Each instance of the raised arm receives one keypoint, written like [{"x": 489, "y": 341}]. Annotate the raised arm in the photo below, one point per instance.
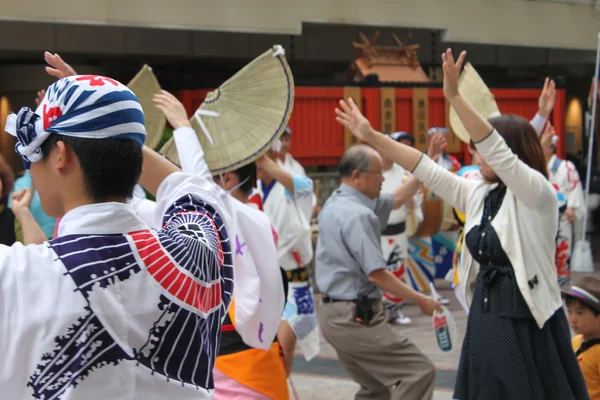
[
  {"x": 546, "y": 104},
  {"x": 405, "y": 192},
  {"x": 443, "y": 183},
  {"x": 189, "y": 149},
  {"x": 31, "y": 230},
  {"x": 278, "y": 173},
  {"x": 528, "y": 185},
  {"x": 155, "y": 170}
]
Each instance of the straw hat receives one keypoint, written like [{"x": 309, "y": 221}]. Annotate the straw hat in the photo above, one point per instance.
[
  {"x": 144, "y": 85},
  {"x": 240, "y": 121},
  {"x": 472, "y": 88},
  {"x": 586, "y": 290}
]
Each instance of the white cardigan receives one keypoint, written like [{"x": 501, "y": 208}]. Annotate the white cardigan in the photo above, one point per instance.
[{"x": 526, "y": 223}]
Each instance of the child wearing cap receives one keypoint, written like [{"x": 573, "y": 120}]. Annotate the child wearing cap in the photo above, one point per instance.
[{"x": 583, "y": 304}]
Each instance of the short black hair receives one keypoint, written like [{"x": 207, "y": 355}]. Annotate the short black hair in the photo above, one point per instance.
[
  {"x": 247, "y": 172},
  {"x": 573, "y": 301},
  {"x": 111, "y": 167},
  {"x": 356, "y": 157}
]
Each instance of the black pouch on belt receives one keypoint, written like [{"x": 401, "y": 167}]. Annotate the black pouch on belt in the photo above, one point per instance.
[{"x": 363, "y": 312}]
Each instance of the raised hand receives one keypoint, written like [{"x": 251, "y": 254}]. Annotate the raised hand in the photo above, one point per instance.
[
  {"x": 58, "y": 67},
  {"x": 172, "y": 108},
  {"x": 547, "y": 135},
  {"x": 21, "y": 200},
  {"x": 437, "y": 145},
  {"x": 451, "y": 70},
  {"x": 350, "y": 116},
  {"x": 40, "y": 97},
  {"x": 547, "y": 98}
]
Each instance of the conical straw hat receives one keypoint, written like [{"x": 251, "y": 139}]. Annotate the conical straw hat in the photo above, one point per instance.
[
  {"x": 472, "y": 88},
  {"x": 144, "y": 85},
  {"x": 245, "y": 116}
]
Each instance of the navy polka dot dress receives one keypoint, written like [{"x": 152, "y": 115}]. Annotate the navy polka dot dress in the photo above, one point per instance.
[{"x": 505, "y": 355}]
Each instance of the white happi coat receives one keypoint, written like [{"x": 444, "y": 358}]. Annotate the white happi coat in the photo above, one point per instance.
[
  {"x": 290, "y": 214},
  {"x": 259, "y": 295},
  {"x": 564, "y": 175},
  {"x": 112, "y": 309},
  {"x": 395, "y": 248}
]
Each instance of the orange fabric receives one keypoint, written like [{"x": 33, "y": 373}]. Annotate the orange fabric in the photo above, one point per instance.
[
  {"x": 257, "y": 369},
  {"x": 589, "y": 362}
]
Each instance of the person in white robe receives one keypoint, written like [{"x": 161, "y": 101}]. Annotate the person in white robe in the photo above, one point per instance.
[
  {"x": 564, "y": 176},
  {"x": 395, "y": 238},
  {"x": 290, "y": 163},
  {"x": 258, "y": 298},
  {"x": 126, "y": 311},
  {"x": 287, "y": 201}
]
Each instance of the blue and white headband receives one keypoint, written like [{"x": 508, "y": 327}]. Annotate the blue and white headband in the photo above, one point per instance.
[{"x": 85, "y": 106}]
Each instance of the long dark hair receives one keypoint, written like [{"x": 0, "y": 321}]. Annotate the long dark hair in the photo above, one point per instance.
[{"x": 522, "y": 139}]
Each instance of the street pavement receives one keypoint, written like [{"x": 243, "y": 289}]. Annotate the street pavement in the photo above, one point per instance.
[{"x": 324, "y": 378}]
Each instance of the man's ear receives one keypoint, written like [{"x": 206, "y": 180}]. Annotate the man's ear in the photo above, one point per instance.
[{"x": 355, "y": 174}]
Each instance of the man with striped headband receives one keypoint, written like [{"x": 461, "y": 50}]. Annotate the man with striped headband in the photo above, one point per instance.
[{"x": 111, "y": 308}]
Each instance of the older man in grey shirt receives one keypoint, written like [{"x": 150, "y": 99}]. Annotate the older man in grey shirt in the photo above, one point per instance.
[{"x": 351, "y": 274}]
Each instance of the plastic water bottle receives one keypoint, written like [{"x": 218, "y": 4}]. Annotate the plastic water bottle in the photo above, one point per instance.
[{"x": 443, "y": 326}]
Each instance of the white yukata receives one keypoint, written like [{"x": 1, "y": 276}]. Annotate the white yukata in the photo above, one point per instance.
[
  {"x": 259, "y": 294},
  {"x": 290, "y": 214},
  {"x": 395, "y": 245},
  {"x": 112, "y": 309},
  {"x": 564, "y": 176}
]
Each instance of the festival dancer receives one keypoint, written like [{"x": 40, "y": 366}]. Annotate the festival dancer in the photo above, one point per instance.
[
  {"x": 126, "y": 311},
  {"x": 564, "y": 176},
  {"x": 249, "y": 364},
  {"x": 287, "y": 201},
  {"x": 395, "y": 237}
]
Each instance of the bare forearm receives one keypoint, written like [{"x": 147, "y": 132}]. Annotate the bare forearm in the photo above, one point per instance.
[
  {"x": 279, "y": 174},
  {"x": 403, "y": 155},
  {"x": 477, "y": 126},
  {"x": 155, "y": 169},
  {"x": 388, "y": 282},
  {"x": 31, "y": 230},
  {"x": 404, "y": 193}
]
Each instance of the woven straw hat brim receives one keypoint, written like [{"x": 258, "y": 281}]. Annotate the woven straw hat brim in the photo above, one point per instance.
[
  {"x": 253, "y": 106},
  {"x": 144, "y": 85},
  {"x": 472, "y": 88}
]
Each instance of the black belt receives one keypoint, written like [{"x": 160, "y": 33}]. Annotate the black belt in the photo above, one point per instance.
[
  {"x": 394, "y": 229},
  {"x": 330, "y": 300},
  {"x": 327, "y": 299},
  {"x": 298, "y": 275}
]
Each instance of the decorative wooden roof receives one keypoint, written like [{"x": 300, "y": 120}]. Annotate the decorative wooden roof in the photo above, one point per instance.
[{"x": 397, "y": 63}]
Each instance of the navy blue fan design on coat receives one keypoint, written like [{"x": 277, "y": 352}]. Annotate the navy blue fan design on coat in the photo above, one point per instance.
[{"x": 190, "y": 258}]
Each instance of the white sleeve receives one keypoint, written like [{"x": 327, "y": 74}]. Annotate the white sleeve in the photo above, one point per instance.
[
  {"x": 528, "y": 185},
  {"x": 190, "y": 152},
  {"x": 538, "y": 122},
  {"x": 450, "y": 187},
  {"x": 575, "y": 197}
]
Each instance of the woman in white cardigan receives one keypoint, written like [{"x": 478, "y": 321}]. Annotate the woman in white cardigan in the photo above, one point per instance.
[{"x": 517, "y": 344}]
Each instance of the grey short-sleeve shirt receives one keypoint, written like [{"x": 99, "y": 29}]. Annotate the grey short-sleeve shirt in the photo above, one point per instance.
[{"x": 349, "y": 244}]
